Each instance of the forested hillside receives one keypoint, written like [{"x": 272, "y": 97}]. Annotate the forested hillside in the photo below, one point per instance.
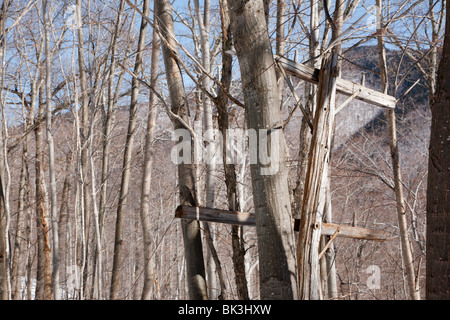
[{"x": 116, "y": 113}]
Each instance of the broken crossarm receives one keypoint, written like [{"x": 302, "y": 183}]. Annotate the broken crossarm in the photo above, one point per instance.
[
  {"x": 248, "y": 219},
  {"x": 343, "y": 86}
]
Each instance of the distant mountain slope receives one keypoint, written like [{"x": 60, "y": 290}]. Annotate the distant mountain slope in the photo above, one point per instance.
[{"x": 359, "y": 115}]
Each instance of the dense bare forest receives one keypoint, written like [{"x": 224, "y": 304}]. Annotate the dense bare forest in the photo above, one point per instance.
[{"x": 224, "y": 150}]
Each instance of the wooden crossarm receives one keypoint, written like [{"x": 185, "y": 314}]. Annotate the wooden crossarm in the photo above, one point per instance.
[
  {"x": 343, "y": 86},
  {"x": 248, "y": 219}
]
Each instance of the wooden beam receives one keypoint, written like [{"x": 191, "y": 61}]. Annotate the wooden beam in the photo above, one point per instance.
[
  {"x": 215, "y": 215},
  {"x": 345, "y": 231},
  {"x": 346, "y": 102},
  {"x": 297, "y": 99},
  {"x": 248, "y": 219},
  {"x": 329, "y": 243},
  {"x": 343, "y": 86}
]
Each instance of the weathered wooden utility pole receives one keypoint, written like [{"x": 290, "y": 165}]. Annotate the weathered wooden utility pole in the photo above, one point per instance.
[
  {"x": 319, "y": 154},
  {"x": 316, "y": 181}
]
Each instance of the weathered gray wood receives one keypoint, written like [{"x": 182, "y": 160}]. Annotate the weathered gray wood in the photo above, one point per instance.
[
  {"x": 315, "y": 183},
  {"x": 248, "y": 219},
  {"x": 215, "y": 215},
  {"x": 346, "y": 102},
  {"x": 343, "y": 86},
  {"x": 328, "y": 229}
]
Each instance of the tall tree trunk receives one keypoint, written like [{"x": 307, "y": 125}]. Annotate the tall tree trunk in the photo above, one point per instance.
[
  {"x": 5, "y": 260},
  {"x": 438, "y": 189},
  {"x": 51, "y": 152},
  {"x": 84, "y": 134},
  {"x": 270, "y": 186},
  {"x": 414, "y": 293},
  {"x": 230, "y": 168},
  {"x": 147, "y": 170},
  {"x": 20, "y": 240},
  {"x": 44, "y": 271},
  {"x": 280, "y": 44},
  {"x": 97, "y": 270},
  {"x": 208, "y": 127},
  {"x": 5, "y": 277},
  {"x": 195, "y": 268},
  {"x": 63, "y": 227},
  {"x": 126, "y": 166}
]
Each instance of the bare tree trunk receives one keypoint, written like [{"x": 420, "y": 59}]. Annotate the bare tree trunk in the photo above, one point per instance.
[
  {"x": 434, "y": 49},
  {"x": 5, "y": 260},
  {"x": 84, "y": 137},
  {"x": 270, "y": 186},
  {"x": 229, "y": 168},
  {"x": 5, "y": 276},
  {"x": 195, "y": 268},
  {"x": 414, "y": 293},
  {"x": 126, "y": 167},
  {"x": 63, "y": 227},
  {"x": 97, "y": 270},
  {"x": 208, "y": 127},
  {"x": 43, "y": 286},
  {"x": 147, "y": 171},
  {"x": 280, "y": 43},
  {"x": 330, "y": 254},
  {"x": 438, "y": 204},
  {"x": 20, "y": 240},
  {"x": 212, "y": 257},
  {"x": 51, "y": 152}
]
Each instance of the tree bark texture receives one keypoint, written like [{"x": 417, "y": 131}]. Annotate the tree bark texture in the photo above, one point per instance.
[
  {"x": 126, "y": 166},
  {"x": 438, "y": 192},
  {"x": 395, "y": 157},
  {"x": 270, "y": 192},
  {"x": 147, "y": 171},
  {"x": 195, "y": 267},
  {"x": 230, "y": 168}
]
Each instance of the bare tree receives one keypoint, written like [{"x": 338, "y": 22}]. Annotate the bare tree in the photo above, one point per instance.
[
  {"x": 51, "y": 151},
  {"x": 126, "y": 166},
  {"x": 270, "y": 192},
  {"x": 146, "y": 191},
  {"x": 44, "y": 272},
  {"x": 117, "y": 259},
  {"x": 398, "y": 187},
  {"x": 438, "y": 204},
  {"x": 5, "y": 279},
  {"x": 230, "y": 168},
  {"x": 84, "y": 131},
  {"x": 195, "y": 268}
]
